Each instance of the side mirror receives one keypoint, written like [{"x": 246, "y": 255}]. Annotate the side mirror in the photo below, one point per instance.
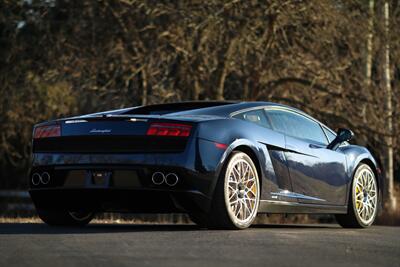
[{"x": 343, "y": 135}]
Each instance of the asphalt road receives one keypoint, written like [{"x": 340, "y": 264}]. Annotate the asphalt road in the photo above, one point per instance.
[{"x": 186, "y": 245}]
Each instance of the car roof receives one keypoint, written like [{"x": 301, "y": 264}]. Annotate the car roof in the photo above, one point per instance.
[
  {"x": 226, "y": 108},
  {"x": 176, "y": 107},
  {"x": 230, "y": 108}
]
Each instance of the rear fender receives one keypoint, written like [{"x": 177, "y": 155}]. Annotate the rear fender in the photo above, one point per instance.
[
  {"x": 242, "y": 135},
  {"x": 255, "y": 151}
]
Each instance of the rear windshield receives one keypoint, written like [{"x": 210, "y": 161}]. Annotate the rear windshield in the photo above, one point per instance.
[{"x": 162, "y": 109}]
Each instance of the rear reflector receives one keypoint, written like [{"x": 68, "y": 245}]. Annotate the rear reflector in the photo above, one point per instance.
[
  {"x": 47, "y": 131},
  {"x": 220, "y": 146},
  {"x": 169, "y": 129}
]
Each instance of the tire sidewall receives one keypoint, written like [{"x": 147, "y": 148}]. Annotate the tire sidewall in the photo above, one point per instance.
[
  {"x": 232, "y": 218},
  {"x": 353, "y": 199},
  {"x": 84, "y": 219},
  {"x": 61, "y": 218}
]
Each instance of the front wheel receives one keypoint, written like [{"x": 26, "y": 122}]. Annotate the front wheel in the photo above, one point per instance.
[
  {"x": 237, "y": 194},
  {"x": 363, "y": 200},
  {"x": 65, "y": 218}
]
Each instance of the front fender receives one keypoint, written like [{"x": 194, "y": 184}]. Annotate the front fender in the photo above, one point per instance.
[{"x": 357, "y": 155}]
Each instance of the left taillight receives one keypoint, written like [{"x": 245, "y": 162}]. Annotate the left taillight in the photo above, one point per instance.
[
  {"x": 169, "y": 129},
  {"x": 47, "y": 131}
]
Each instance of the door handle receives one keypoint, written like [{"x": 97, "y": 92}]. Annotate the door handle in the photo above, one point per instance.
[{"x": 314, "y": 146}]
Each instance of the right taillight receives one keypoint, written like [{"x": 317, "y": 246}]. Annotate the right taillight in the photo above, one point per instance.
[
  {"x": 169, "y": 129},
  {"x": 47, "y": 131}
]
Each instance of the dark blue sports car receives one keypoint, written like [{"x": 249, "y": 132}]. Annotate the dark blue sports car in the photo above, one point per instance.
[{"x": 220, "y": 162}]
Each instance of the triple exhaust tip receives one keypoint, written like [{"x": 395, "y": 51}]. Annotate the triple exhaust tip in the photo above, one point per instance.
[
  {"x": 158, "y": 178},
  {"x": 43, "y": 178}
]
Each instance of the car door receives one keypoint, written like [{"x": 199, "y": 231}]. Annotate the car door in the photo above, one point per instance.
[{"x": 318, "y": 175}]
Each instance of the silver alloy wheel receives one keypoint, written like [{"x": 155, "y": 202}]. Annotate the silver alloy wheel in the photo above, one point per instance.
[
  {"x": 242, "y": 190},
  {"x": 365, "y": 195},
  {"x": 80, "y": 216}
]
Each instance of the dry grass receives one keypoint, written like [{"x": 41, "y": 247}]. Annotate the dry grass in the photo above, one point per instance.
[
  {"x": 391, "y": 215},
  {"x": 20, "y": 220},
  {"x": 179, "y": 219},
  {"x": 96, "y": 221},
  {"x": 111, "y": 218},
  {"x": 384, "y": 219}
]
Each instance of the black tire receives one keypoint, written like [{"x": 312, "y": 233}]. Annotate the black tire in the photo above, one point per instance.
[
  {"x": 219, "y": 217},
  {"x": 200, "y": 219},
  {"x": 352, "y": 219},
  {"x": 65, "y": 218}
]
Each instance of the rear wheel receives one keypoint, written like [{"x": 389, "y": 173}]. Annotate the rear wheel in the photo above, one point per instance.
[
  {"x": 363, "y": 200},
  {"x": 236, "y": 197},
  {"x": 65, "y": 218}
]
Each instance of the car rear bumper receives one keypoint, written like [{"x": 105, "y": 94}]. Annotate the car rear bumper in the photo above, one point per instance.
[
  {"x": 129, "y": 186},
  {"x": 105, "y": 187},
  {"x": 119, "y": 200}
]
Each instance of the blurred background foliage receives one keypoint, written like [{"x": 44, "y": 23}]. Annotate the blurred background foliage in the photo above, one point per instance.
[{"x": 67, "y": 57}]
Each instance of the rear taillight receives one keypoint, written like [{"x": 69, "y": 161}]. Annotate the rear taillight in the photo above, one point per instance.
[
  {"x": 169, "y": 129},
  {"x": 47, "y": 131}
]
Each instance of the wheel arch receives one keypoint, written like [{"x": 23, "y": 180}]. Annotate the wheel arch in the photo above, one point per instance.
[
  {"x": 248, "y": 151},
  {"x": 379, "y": 181},
  {"x": 245, "y": 146},
  {"x": 370, "y": 164}
]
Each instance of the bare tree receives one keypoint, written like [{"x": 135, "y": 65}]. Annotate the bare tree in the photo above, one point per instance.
[{"x": 389, "y": 108}]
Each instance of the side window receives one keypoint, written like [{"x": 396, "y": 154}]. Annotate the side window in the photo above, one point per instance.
[
  {"x": 296, "y": 125},
  {"x": 329, "y": 133},
  {"x": 254, "y": 116}
]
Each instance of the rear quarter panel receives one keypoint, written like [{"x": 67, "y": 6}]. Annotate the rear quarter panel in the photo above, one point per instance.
[{"x": 237, "y": 133}]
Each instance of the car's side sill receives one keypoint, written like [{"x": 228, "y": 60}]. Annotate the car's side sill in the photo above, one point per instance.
[{"x": 270, "y": 206}]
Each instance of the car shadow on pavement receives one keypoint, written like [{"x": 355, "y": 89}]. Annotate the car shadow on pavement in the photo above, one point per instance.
[
  {"x": 297, "y": 226},
  {"x": 95, "y": 228}
]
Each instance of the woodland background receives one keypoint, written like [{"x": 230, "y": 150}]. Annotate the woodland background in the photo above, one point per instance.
[{"x": 338, "y": 60}]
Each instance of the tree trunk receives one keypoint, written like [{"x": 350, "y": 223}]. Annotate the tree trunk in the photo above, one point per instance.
[
  {"x": 368, "y": 65},
  {"x": 196, "y": 89},
  {"x": 368, "y": 69},
  {"x": 225, "y": 69},
  {"x": 246, "y": 90},
  {"x": 389, "y": 110},
  {"x": 144, "y": 86}
]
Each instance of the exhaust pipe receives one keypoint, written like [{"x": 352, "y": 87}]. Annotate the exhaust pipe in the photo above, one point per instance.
[
  {"x": 36, "y": 178},
  {"x": 171, "y": 179},
  {"x": 40, "y": 179},
  {"x": 45, "y": 178},
  {"x": 158, "y": 178}
]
